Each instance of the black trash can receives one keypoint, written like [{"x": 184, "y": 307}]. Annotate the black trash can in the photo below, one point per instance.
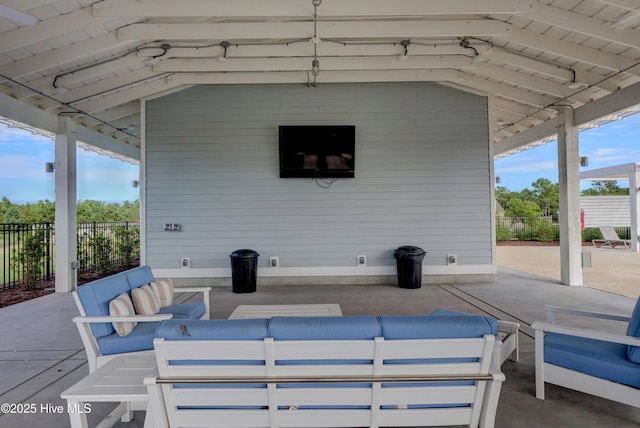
[
  {"x": 244, "y": 270},
  {"x": 409, "y": 264}
]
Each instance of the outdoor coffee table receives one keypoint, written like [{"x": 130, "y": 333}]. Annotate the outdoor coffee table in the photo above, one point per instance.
[
  {"x": 268, "y": 311},
  {"x": 121, "y": 381}
]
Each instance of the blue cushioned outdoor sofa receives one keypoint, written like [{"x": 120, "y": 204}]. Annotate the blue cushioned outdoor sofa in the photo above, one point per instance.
[
  {"x": 101, "y": 341},
  {"x": 350, "y": 371}
]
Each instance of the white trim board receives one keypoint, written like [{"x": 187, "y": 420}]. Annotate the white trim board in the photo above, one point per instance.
[{"x": 325, "y": 271}]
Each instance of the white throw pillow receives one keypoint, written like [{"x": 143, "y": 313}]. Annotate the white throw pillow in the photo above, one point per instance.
[
  {"x": 145, "y": 300},
  {"x": 163, "y": 289},
  {"x": 122, "y": 306}
]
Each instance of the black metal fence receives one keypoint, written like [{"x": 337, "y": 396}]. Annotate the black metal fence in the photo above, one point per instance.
[
  {"x": 28, "y": 250},
  {"x": 545, "y": 229}
]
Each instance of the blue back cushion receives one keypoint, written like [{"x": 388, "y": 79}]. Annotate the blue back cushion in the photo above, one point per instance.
[
  {"x": 95, "y": 298},
  {"x": 139, "y": 276},
  {"x": 436, "y": 326},
  {"x": 633, "y": 330},
  {"x": 237, "y": 329},
  {"x": 324, "y": 328},
  {"x": 234, "y": 329}
]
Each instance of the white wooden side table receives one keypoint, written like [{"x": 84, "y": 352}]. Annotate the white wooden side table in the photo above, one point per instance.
[{"x": 121, "y": 381}]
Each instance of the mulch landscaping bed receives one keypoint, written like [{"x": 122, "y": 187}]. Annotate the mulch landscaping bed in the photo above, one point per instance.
[{"x": 13, "y": 295}]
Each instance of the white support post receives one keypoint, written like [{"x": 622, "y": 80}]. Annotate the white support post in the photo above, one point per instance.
[
  {"x": 634, "y": 183},
  {"x": 66, "y": 209},
  {"x": 143, "y": 182},
  {"x": 569, "y": 192}
]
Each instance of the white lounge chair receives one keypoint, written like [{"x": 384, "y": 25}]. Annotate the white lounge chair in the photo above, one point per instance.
[{"x": 611, "y": 238}]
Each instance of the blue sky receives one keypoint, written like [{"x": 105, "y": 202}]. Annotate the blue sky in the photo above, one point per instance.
[
  {"x": 612, "y": 144},
  {"x": 101, "y": 178},
  {"x": 23, "y": 177}
]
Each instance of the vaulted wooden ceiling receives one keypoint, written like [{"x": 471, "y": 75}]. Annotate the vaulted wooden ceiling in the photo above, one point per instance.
[{"x": 95, "y": 61}]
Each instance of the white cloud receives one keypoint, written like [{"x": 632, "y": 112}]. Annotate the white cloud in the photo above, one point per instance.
[
  {"x": 114, "y": 176},
  {"x": 614, "y": 156},
  {"x": 537, "y": 165},
  {"x": 21, "y": 166}
]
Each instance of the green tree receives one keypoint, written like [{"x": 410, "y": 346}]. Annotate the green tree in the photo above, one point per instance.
[
  {"x": 28, "y": 258},
  {"x": 546, "y": 195},
  {"x": 5, "y": 203},
  {"x": 605, "y": 187},
  {"x": 503, "y": 195},
  {"x": 519, "y": 208},
  {"x": 13, "y": 215}
]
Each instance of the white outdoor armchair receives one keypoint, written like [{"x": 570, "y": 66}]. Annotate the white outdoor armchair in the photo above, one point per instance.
[{"x": 602, "y": 364}]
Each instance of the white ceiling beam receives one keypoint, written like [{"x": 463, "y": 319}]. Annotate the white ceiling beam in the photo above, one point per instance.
[
  {"x": 94, "y": 90},
  {"x": 107, "y": 143},
  {"x": 302, "y": 64},
  {"x": 131, "y": 109},
  {"x": 324, "y": 77},
  {"x": 571, "y": 50},
  {"x": 69, "y": 78},
  {"x": 526, "y": 81},
  {"x": 624, "y": 4},
  {"x": 536, "y": 133},
  {"x": 325, "y": 48},
  {"x": 522, "y": 110},
  {"x": 45, "y": 84},
  {"x": 21, "y": 112},
  {"x": 47, "y": 29},
  {"x": 508, "y": 92},
  {"x": 24, "y": 4},
  {"x": 582, "y": 24},
  {"x": 554, "y": 71},
  {"x": 620, "y": 100},
  {"x": 625, "y": 98},
  {"x": 123, "y": 96},
  {"x": 14, "y": 109},
  {"x": 60, "y": 56},
  {"x": 508, "y": 121},
  {"x": 531, "y": 64},
  {"x": 297, "y": 8},
  {"x": 401, "y": 29}
]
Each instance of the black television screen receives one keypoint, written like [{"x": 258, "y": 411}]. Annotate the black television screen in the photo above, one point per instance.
[{"x": 317, "y": 151}]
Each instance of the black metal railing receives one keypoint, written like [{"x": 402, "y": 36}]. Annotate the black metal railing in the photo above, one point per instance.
[
  {"x": 28, "y": 250},
  {"x": 545, "y": 229}
]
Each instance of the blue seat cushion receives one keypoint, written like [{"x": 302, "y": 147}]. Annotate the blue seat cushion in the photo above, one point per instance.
[
  {"x": 140, "y": 339},
  {"x": 597, "y": 358},
  {"x": 194, "y": 310},
  {"x": 633, "y": 330},
  {"x": 96, "y": 296}
]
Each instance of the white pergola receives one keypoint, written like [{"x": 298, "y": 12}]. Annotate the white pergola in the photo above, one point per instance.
[
  {"x": 627, "y": 171},
  {"x": 79, "y": 69}
]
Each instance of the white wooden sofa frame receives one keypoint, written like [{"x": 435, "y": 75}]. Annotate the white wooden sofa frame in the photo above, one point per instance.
[
  {"x": 577, "y": 381},
  {"x": 94, "y": 358},
  {"x": 272, "y": 406}
]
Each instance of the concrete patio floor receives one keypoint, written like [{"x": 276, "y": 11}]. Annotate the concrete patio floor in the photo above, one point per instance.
[{"x": 41, "y": 353}]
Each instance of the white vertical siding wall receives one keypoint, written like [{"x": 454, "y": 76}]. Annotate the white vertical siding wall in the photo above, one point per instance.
[
  {"x": 606, "y": 211},
  {"x": 422, "y": 176}
]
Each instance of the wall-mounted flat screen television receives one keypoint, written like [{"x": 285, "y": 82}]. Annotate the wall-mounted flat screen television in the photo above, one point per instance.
[{"x": 317, "y": 151}]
